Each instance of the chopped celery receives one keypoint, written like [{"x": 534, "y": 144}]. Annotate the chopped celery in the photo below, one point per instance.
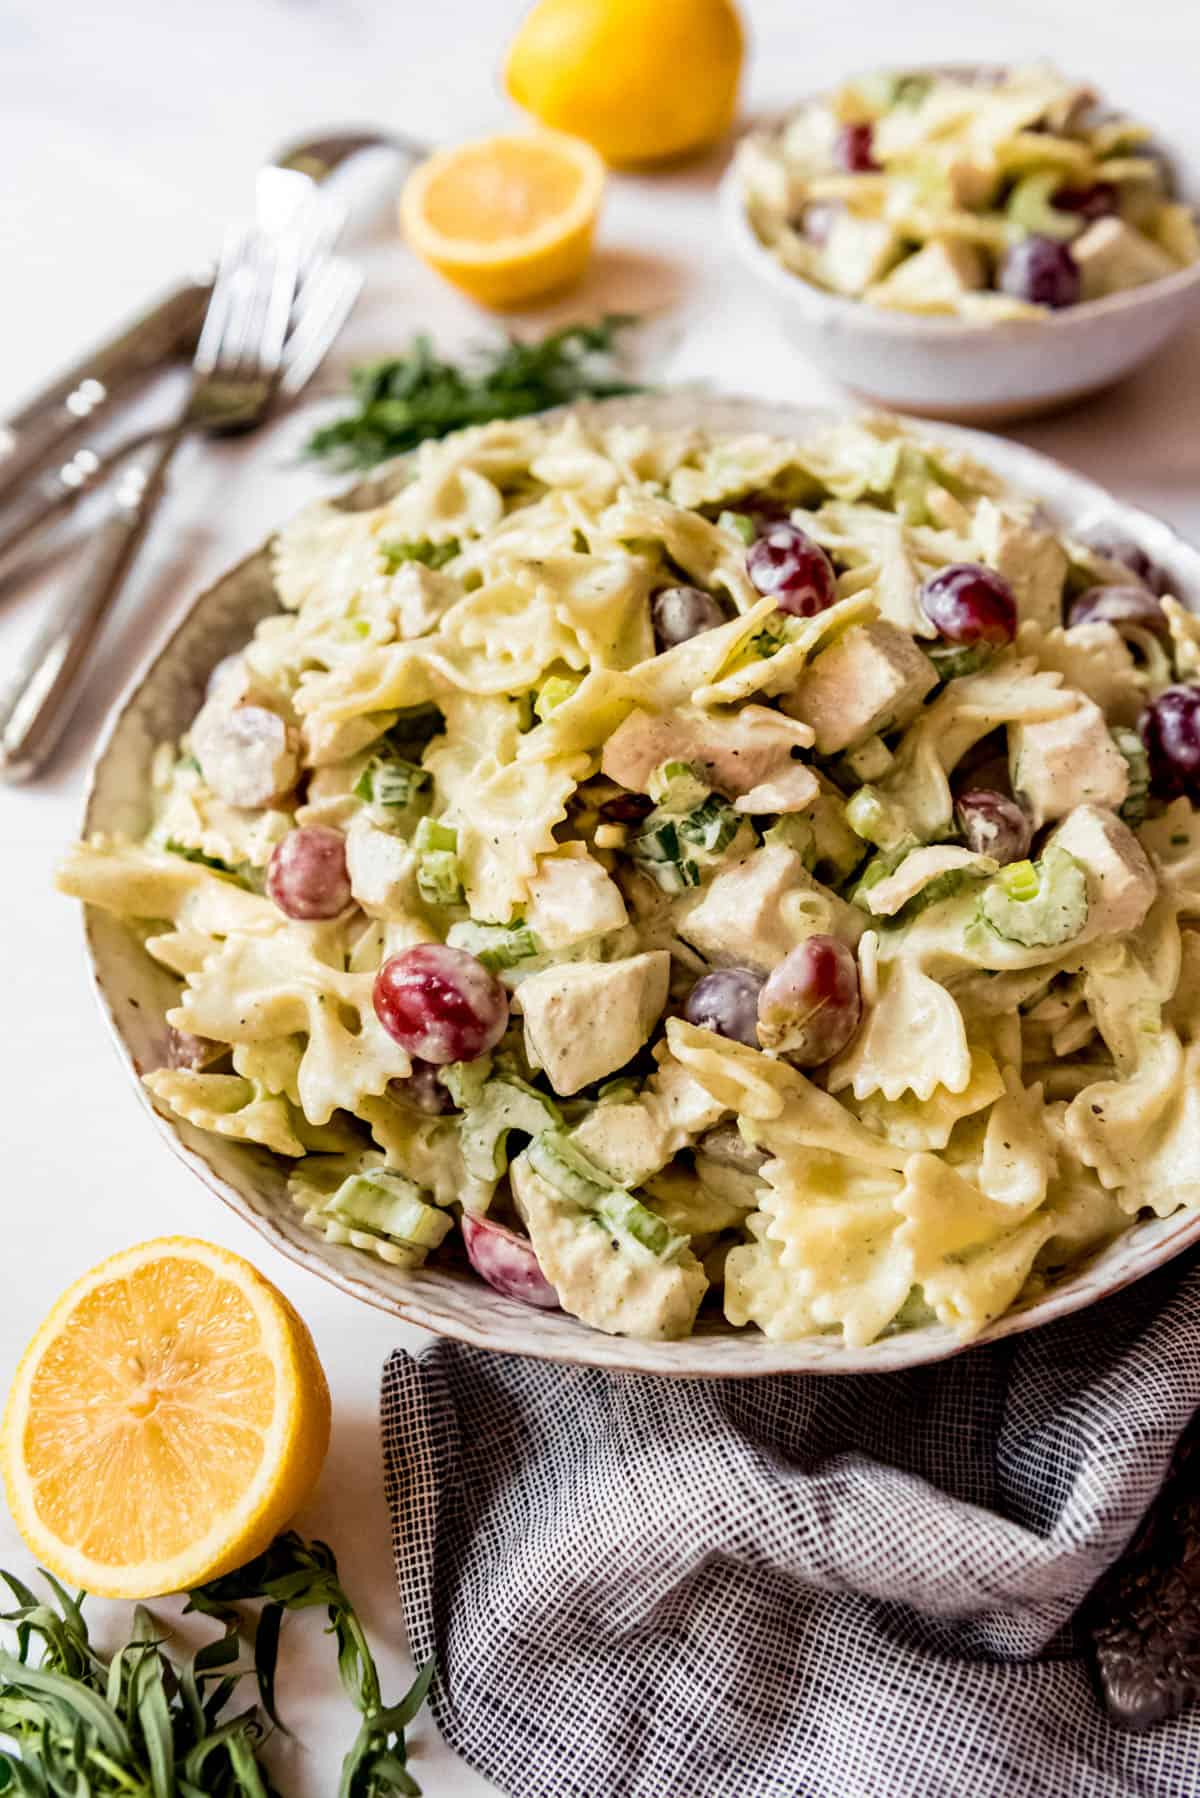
[
  {"x": 1037, "y": 904},
  {"x": 870, "y": 761},
  {"x": 390, "y": 783},
  {"x": 387, "y": 1203},
  {"x": 876, "y": 820},
  {"x": 621, "y": 1212},
  {"x": 677, "y": 787},
  {"x": 238, "y": 871},
  {"x": 553, "y": 691},
  {"x": 795, "y": 833},
  {"x": 554, "y": 1157},
  {"x": 465, "y": 1080},
  {"x": 506, "y": 1103},
  {"x": 1030, "y": 205},
  {"x": 431, "y": 555},
  {"x": 497, "y": 946},
  {"x": 439, "y": 881},
  {"x": 740, "y": 522}
]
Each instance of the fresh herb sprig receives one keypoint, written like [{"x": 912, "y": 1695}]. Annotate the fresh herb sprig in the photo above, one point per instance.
[
  {"x": 402, "y": 400},
  {"x": 143, "y": 1726}
]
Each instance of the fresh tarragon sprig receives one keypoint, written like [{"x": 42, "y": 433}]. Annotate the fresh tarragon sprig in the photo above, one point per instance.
[
  {"x": 402, "y": 400},
  {"x": 144, "y": 1726}
]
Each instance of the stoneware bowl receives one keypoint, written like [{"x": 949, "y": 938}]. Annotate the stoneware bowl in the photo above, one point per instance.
[
  {"x": 965, "y": 372},
  {"x": 134, "y": 991}
]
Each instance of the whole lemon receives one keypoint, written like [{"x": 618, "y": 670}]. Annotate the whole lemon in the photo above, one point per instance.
[{"x": 639, "y": 79}]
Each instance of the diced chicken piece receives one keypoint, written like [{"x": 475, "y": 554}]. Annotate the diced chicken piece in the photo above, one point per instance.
[
  {"x": 572, "y": 898},
  {"x": 871, "y": 679},
  {"x": 935, "y": 279},
  {"x": 248, "y": 754},
  {"x": 382, "y": 870},
  {"x": 1032, "y": 561},
  {"x": 756, "y": 912},
  {"x": 585, "y": 1019},
  {"x": 858, "y": 251},
  {"x": 1120, "y": 879},
  {"x": 1112, "y": 256},
  {"x": 735, "y": 754},
  {"x": 625, "y": 1293},
  {"x": 1067, "y": 761},
  {"x": 633, "y": 1141}
]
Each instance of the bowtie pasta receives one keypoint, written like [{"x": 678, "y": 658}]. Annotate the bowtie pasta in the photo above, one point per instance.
[
  {"x": 676, "y": 869},
  {"x": 989, "y": 196}
]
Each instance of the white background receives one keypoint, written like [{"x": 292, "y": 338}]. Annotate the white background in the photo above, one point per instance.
[{"x": 129, "y": 131}]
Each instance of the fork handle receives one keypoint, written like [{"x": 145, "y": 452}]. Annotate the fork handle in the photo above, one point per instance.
[
  {"x": 60, "y": 488},
  {"x": 38, "y": 703}
]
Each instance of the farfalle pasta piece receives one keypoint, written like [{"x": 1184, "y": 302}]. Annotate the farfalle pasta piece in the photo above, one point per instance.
[
  {"x": 1095, "y": 660},
  {"x": 255, "y": 991},
  {"x": 912, "y": 1037},
  {"x": 969, "y": 1253},
  {"x": 911, "y": 1123},
  {"x": 228, "y": 1105},
  {"x": 1173, "y": 843},
  {"x": 504, "y": 824},
  {"x": 134, "y": 882},
  {"x": 709, "y": 555}
]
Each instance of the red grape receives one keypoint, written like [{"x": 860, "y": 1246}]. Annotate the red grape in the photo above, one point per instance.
[
  {"x": 507, "y": 1262},
  {"x": 1042, "y": 271},
  {"x": 853, "y": 149},
  {"x": 187, "y": 1051},
  {"x": 968, "y": 603},
  {"x": 993, "y": 824},
  {"x": 727, "y": 1001},
  {"x": 1115, "y": 546},
  {"x": 440, "y": 1004},
  {"x": 680, "y": 613},
  {"x": 1096, "y": 201},
  {"x": 1170, "y": 729},
  {"x": 422, "y": 1090},
  {"x": 306, "y": 876},
  {"x": 794, "y": 571},
  {"x": 810, "y": 1005}
]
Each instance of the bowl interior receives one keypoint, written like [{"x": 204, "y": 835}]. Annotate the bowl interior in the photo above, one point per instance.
[{"x": 134, "y": 991}]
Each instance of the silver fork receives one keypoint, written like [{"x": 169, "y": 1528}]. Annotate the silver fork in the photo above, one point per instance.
[{"x": 234, "y": 374}]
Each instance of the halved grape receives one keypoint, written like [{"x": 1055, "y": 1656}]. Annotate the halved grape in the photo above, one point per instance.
[
  {"x": 853, "y": 149},
  {"x": 1118, "y": 606},
  {"x": 422, "y": 1090},
  {"x": 795, "y": 572},
  {"x": 195, "y": 1052},
  {"x": 307, "y": 876},
  {"x": 680, "y": 613},
  {"x": 1116, "y": 546},
  {"x": 968, "y": 603},
  {"x": 727, "y": 1001},
  {"x": 1170, "y": 729},
  {"x": 507, "y": 1262},
  {"x": 993, "y": 824},
  {"x": 1096, "y": 201},
  {"x": 1041, "y": 270},
  {"x": 440, "y": 1004},
  {"x": 810, "y": 1006}
]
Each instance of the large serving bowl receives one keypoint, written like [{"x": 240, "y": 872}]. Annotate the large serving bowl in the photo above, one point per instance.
[
  {"x": 960, "y": 370},
  {"x": 134, "y": 991}
]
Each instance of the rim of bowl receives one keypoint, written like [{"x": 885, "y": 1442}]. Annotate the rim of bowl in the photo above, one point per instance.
[
  {"x": 689, "y": 1357},
  {"x": 885, "y": 322}
]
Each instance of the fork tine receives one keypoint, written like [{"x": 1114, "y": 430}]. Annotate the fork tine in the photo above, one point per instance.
[{"x": 222, "y": 302}]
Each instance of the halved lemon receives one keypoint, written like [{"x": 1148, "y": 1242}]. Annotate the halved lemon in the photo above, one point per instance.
[
  {"x": 167, "y": 1420},
  {"x": 506, "y": 218}
]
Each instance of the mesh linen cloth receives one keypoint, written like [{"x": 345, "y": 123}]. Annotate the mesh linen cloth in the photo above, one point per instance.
[{"x": 794, "y": 1587}]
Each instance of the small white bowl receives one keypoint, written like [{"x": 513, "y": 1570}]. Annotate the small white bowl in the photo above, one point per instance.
[
  {"x": 446, "y": 1297},
  {"x": 966, "y": 372}
]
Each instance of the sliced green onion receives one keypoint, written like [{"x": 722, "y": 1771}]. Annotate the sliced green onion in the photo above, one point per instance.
[
  {"x": 1133, "y": 811},
  {"x": 439, "y": 880},
  {"x": 658, "y": 852},
  {"x": 1020, "y": 881},
  {"x": 677, "y": 787},
  {"x": 711, "y": 827},
  {"x": 391, "y": 783},
  {"x": 431, "y": 555},
  {"x": 954, "y": 660}
]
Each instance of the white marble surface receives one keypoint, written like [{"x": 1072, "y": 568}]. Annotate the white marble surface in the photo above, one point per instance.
[{"x": 129, "y": 132}]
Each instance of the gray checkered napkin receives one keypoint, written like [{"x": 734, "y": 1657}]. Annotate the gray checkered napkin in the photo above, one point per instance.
[{"x": 792, "y": 1587}]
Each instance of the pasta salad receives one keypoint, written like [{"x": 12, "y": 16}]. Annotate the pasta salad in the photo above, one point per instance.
[
  {"x": 680, "y": 869},
  {"x": 990, "y": 196}
]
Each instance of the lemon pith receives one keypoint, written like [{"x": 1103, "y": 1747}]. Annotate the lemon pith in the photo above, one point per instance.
[{"x": 168, "y": 1418}]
